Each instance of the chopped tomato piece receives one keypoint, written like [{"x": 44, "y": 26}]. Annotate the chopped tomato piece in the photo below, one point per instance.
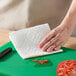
[{"x": 41, "y": 61}]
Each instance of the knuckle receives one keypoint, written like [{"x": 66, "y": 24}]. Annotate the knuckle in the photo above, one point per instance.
[
  {"x": 54, "y": 32},
  {"x": 50, "y": 41},
  {"x": 46, "y": 39}
]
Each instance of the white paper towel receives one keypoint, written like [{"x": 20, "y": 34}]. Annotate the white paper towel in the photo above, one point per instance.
[{"x": 26, "y": 41}]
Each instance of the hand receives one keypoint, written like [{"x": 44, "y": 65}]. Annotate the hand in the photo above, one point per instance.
[{"x": 56, "y": 38}]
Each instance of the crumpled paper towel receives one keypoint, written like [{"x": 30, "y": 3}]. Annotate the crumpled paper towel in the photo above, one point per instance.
[{"x": 26, "y": 41}]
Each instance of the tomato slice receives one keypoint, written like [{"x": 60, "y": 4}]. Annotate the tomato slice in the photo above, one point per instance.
[
  {"x": 73, "y": 72},
  {"x": 66, "y": 67}
]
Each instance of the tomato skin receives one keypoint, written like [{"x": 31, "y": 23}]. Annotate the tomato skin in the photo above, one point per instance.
[{"x": 66, "y": 67}]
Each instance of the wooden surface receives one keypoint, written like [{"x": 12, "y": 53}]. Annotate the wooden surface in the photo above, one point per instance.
[
  {"x": 71, "y": 43},
  {"x": 4, "y": 38}
]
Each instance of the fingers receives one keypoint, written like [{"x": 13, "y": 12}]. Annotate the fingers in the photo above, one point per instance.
[
  {"x": 45, "y": 40},
  {"x": 48, "y": 44},
  {"x": 55, "y": 39},
  {"x": 54, "y": 47},
  {"x": 58, "y": 46},
  {"x": 51, "y": 36},
  {"x": 51, "y": 48}
]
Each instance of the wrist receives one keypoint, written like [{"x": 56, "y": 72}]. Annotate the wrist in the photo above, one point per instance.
[
  {"x": 68, "y": 26},
  {"x": 68, "y": 23}
]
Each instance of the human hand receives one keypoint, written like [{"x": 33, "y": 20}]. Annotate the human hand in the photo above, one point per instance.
[{"x": 56, "y": 38}]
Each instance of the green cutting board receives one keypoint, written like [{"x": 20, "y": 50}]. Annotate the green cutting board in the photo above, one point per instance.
[{"x": 13, "y": 65}]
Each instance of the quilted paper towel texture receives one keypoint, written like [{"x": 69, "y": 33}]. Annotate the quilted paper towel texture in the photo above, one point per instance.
[{"x": 26, "y": 41}]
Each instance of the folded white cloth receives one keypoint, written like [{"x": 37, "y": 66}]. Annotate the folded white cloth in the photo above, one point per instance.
[{"x": 26, "y": 41}]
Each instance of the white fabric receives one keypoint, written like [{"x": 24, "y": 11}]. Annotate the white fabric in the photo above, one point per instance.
[
  {"x": 26, "y": 41},
  {"x": 18, "y": 14}
]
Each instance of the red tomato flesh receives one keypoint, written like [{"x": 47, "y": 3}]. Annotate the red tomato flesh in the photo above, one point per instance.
[{"x": 66, "y": 67}]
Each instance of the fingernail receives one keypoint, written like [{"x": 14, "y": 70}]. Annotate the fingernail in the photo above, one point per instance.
[
  {"x": 48, "y": 50},
  {"x": 56, "y": 49}
]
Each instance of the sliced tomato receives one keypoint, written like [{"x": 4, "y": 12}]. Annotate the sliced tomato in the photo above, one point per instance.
[
  {"x": 73, "y": 72},
  {"x": 65, "y": 67}
]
